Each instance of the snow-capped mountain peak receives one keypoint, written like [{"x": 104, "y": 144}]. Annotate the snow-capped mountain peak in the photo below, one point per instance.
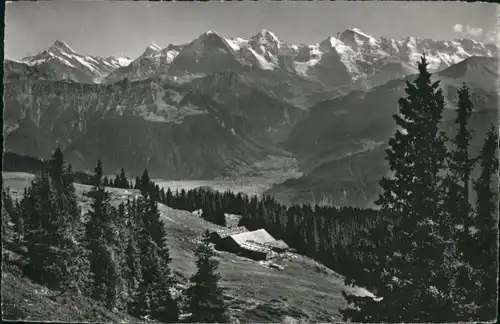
[
  {"x": 151, "y": 50},
  {"x": 68, "y": 64},
  {"x": 266, "y": 38},
  {"x": 154, "y": 47},
  {"x": 60, "y": 46},
  {"x": 356, "y": 38},
  {"x": 211, "y": 32}
]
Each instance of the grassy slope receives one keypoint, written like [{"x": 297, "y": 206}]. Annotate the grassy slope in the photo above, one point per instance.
[
  {"x": 24, "y": 300},
  {"x": 304, "y": 290}
]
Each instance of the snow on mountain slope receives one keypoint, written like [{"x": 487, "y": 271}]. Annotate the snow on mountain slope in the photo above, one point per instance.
[
  {"x": 67, "y": 64},
  {"x": 206, "y": 54},
  {"x": 153, "y": 62}
]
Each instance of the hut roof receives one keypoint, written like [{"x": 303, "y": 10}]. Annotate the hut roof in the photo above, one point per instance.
[
  {"x": 259, "y": 236},
  {"x": 278, "y": 244},
  {"x": 231, "y": 231},
  {"x": 253, "y": 246}
]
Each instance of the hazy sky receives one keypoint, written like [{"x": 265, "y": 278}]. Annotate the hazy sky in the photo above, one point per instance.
[{"x": 125, "y": 28}]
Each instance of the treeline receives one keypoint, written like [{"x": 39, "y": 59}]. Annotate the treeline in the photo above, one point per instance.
[
  {"x": 117, "y": 255},
  {"x": 120, "y": 181},
  {"x": 14, "y": 162}
]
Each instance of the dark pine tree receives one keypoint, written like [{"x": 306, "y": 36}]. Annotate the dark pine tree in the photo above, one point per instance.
[
  {"x": 414, "y": 267},
  {"x": 137, "y": 184},
  {"x": 123, "y": 180},
  {"x": 116, "y": 182},
  {"x": 100, "y": 235},
  {"x": 98, "y": 172},
  {"x": 7, "y": 210},
  {"x": 145, "y": 183},
  {"x": 205, "y": 298},
  {"x": 461, "y": 165},
  {"x": 486, "y": 238}
]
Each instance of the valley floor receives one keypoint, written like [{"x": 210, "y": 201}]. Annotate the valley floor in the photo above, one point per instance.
[
  {"x": 254, "y": 180},
  {"x": 254, "y": 291}
]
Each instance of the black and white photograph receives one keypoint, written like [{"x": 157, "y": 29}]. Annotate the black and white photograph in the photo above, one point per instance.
[{"x": 250, "y": 162}]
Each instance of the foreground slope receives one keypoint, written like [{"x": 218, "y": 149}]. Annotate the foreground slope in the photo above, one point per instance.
[{"x": 254, "y": 292}]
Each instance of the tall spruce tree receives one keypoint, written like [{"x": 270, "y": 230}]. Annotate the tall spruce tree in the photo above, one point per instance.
[
  {"x": 414, "y": 267},
  {"x": 163, "y": 307},
  {"x": 461, "y": 165},
  {"x": 98, "y": 172},
  {"x": 205, "y": 297},
  {"x": 123, "y": 179},
  {"x": 145, "y": 184},
  {"x": 486, "y": 238},
  {"x": 7, "y": 210},
  {"x": 100, "y": 235}
]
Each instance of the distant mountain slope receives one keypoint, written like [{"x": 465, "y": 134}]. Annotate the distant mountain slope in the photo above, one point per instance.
[
  {"x": 15, "y": 70},
  {"x": 175, "y": 134},
  {"x": 242, "y": 96},
  {"x": 340, "y": 145}
]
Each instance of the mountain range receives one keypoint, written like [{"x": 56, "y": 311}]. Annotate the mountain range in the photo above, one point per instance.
[{"x": 203, "y": 109}]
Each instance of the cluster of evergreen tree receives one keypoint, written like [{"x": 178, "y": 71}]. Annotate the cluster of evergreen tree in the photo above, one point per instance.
[
  {"x": 47, "y": 220},
  {"x": 116, "y": 255},
  {"x": 423, "y": 261},
  {"x": 120, "y": 181}
]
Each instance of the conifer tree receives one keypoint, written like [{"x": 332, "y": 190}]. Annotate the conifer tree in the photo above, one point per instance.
[
  {"x": 57, "y": 169},
  {"x": 145, "y": 184},
  {"x": 461, "y": 165},
  {"x": 100, "y": 235},
  {"x": 415, "y": 265},
  {"x": 17, "y": 217},
  {"x": 7, "y": 210},
  {"x": 205, "y": 298},
  {"x": 137, "y": 184},
  {"x": 163, "y": 307},
  {"x": 486, "y": 238},
  {"x": 98, "y": 172},
  {"x": 123, "y": 179}
]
